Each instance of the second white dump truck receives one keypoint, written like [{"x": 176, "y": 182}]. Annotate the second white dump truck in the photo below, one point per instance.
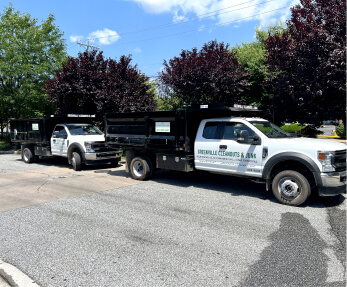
[{"x": 71, "y": 136}]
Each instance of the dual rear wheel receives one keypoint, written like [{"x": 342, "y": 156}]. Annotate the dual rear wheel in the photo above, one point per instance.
[
  {"x": 141, "y": 168},
  {"x": 29, "y": 156}
]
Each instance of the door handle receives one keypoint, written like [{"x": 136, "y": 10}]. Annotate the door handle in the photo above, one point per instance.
[{"x": 223, "y": 146}]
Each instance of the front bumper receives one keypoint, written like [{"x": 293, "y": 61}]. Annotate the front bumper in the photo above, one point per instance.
[
  {"x": 101, "y": 157},
  {"x": 332, "y": 183}
]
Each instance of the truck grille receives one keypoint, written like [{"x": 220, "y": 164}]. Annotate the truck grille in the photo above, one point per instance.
[
  {"x": 105, "y": 150},
  {"x": 106, "y": 155},
  {"x": 100, "y": 147},
  {"x": 339, "y": 160}
]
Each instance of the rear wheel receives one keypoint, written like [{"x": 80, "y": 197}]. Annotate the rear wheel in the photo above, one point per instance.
[
  {"x": 141, "y": 168},
  {"x": 28, "y": 155},
  {"x": 76, "y": 161},
  {"x": 291, "y": 188}
]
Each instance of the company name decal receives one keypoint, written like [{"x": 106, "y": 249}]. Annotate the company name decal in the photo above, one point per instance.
[{"x": 227, "y": 154}]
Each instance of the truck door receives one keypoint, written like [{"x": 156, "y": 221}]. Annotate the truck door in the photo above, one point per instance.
[
  {"x": 59, "y": 142},
  {"x": 220, "y": 150}
]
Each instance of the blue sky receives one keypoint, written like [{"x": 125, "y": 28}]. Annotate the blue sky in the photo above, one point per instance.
[{"x": 154, "y": 30}]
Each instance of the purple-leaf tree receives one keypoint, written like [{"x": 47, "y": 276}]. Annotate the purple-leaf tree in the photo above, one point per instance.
[
  {"x": 89, "y": 84},
  {"x": 210, "y": 75},
  {"x": 309, "y": 63}
]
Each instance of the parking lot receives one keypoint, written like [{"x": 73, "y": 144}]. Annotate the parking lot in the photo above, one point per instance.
[{"x": 99, "y": 227}]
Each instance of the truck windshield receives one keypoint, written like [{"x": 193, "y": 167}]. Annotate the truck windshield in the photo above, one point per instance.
[
  {"x": 83, "y": 130},
  {"x": 270, "y": 130}
]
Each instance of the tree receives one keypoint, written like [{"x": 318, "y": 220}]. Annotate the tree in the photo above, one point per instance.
[
  {"x": 210, "y": 75},
  {"x": 29, "y": 54},
  {"x": 309, "y": 63},
  {"x": 252, "y": 58},
  {"x": 90, "y": 84}
]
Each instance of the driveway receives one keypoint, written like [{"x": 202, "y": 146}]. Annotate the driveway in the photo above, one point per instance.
[{"x": 98, "y": 227}]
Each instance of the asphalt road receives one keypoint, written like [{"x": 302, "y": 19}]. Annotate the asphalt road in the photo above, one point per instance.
[
  {"x": 98, "y": 227},
  {"x": 328, "y": 130}
]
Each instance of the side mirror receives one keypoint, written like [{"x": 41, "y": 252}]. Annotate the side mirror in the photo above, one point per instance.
[
  {"x": 256, "y": 140},
  {"x": 243, "y": 137},
  {"x": 56, "y": 135}
]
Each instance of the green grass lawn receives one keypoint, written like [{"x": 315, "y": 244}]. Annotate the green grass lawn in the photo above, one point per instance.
[{"x": 5, "y": 143}]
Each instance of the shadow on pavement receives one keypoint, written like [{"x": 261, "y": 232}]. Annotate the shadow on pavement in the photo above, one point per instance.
[
  {"x": 235, "y": 186},
  {"x": 61, "y": 162}
]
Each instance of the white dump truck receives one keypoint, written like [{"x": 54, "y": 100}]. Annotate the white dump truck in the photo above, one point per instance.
[
  {"x": 228, "y": 140},
  {"x": 71, "y": 136}
]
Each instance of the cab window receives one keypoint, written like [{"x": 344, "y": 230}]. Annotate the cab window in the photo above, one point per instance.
[
  {"x": 210, "y": 130},
  {"x": 232, "y": 130},
  {"x": 59, "y": 131}
]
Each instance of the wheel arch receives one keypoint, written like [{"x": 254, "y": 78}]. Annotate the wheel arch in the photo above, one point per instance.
[
  {"x": 291, "y": 161},
  {"x": 73, "y": 148}
]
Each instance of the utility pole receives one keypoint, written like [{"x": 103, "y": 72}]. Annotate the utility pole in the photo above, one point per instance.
[{"x": 87, "y": 45}]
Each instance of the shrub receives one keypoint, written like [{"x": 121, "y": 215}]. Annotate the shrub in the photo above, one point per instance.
[
  {"x": 341, "y": 131},
  {"x": 310, "y": 132},
  {"x": 5, "y": 141},
  {"x": 293, "y": 128}
]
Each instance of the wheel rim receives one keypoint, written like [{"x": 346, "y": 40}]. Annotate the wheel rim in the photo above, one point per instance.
[
  {"x": 138, "y": 168},
  {"x": 289, "y": 187},
  {"x": 26, "y": 155}
]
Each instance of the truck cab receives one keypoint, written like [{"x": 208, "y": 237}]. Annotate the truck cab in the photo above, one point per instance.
[
  {"x": 81, "y": 143},
  {"x": 228, "y": 145}
]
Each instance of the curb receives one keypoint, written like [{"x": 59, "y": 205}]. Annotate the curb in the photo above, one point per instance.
[
  {"x": 9, "y": 151},
  {"x": 12, "y": 276}
]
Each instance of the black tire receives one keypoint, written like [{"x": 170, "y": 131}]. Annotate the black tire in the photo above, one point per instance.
[
  {"x": 291, "y": 188},
  {"x": 141, "y": 168},
  {"x": 28, "y": 155},
  {"x": 76, "y": 161}
]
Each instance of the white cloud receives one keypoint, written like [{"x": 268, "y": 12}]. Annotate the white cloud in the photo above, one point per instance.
[
  {"x": 202, "y": 28},
  {"x": 164, "y": 6},
  {"x": 178, "y": 18},
  {"x": 76, "y": 38},
  {"x": 104, "y": 37},
  {"x": 137, "y": 50},
  {"x": 226, "y": 11}
]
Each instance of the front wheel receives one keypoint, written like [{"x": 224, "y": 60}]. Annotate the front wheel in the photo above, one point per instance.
[
  {"x": 291, "y": 188},
  {"x": 76, "y": 161}
]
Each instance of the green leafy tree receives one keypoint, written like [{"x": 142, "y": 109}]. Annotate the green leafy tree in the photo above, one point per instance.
[
  {"x": 29, "y": 54},
  {"x": 252, "y": 57}
]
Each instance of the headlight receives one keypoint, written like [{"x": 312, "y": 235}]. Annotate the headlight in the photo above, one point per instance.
[
  {"x": 326, "y": 159},
  {"x": 88, "y": 146}
]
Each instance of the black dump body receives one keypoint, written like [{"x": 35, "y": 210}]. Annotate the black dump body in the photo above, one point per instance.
[
  {"x": 164, "y": 131},
  {"x": 39, "y": 130}
]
